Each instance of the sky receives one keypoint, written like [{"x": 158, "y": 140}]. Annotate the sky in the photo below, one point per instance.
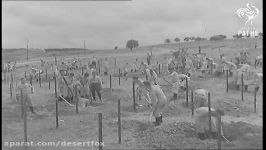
[{"x": 106, "y": 24}]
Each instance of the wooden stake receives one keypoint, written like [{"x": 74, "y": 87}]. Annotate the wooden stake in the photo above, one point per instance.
[
  {"x": 134, "y": 100},
  {"x": 119, "y": 72},
  {"x": 242, "y": 88},
  {"x": 100, "y": 130},
  {"x": 25, "y": 75},
  {"x": 159, "y": 68},
  {"x": 226, "y": 81},
  {"x": 11, "y": 80},
  {"x": 255, "y": 101},
  {"x": 55, "y": 86},
  {"x": 115, "y": 62},
  {"x": 187, "y": 91},
  {"x": 56, "y": 113},
  {"x": 49, "y": 84},
  {"x": 21, "y": 103},
  {"x": 31, "y": 82},
  {"x": 40, "y": 81},
  {"x": 77, "y": 100},
  {"x": 110, "y": 81},
  {"x": 210, "y": 123},
  {"x": 10, "y": 90},
  {"x": 55, "y": 60},
  {"x": 192, "y": 104},
  {"x": 45, "y": 73},
  {"x": 25, "y": 118},
  {"x": 119, "y": 123},
  {"x": 219, "y": 133},
  {"x": 99, "y": 67}
]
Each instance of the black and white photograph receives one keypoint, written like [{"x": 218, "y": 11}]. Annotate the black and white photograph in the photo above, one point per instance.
[{"x": 132, "y": 74}]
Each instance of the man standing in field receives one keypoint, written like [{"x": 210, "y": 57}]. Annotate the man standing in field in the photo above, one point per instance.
[
  {"x": 85, "y": 86},
  {"x": 26, "y": 91},
  {"x": 158, "y": 101},
  {"x": 95, "y": 85}
]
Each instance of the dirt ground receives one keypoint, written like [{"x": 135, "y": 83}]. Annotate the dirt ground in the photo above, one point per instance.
[{"x": 241, "y": 126}]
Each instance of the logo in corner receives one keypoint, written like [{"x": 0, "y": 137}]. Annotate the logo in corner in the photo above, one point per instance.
[{"x": 249, "y": 13}]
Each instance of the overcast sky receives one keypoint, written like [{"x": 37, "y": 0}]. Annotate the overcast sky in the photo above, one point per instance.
[{"x": 57, "y": 24}]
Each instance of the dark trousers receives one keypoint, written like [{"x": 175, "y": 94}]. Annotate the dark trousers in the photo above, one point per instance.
[{"x": 95, "y": 87}]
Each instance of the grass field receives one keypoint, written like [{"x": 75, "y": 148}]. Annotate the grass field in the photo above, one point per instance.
[{"x": 241, "y": 125}]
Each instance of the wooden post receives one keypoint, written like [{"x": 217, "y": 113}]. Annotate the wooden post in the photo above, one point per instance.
[
  {"x": 159, "y": 68},
  {"x": 110, "y": 81},
  {"x": 210, "y": 122},
  {"x": 49, "y": 84},
  {"x": 255, "y": 101},
  {"x": 31, "y": 82},
  {"x": 82, "y": 70},
  {"x": 119, "y": 123},
  {"x": 56, "y": 113},
  {"x": 134, "y": 101},
  {"x": 99, "y": 67},
  {"x": 45, "y": 73},
  {"x": 25, "y": 75},
  {"x": 76, "y": 98},
  {"x": 101, "y": 63},
  {"x": 115, "y": 62},
  {"x": 21, "y": 103},
  {"x": 55, "y": 60},
  {"x": 25, "y": 119},
  {"x": 211, "y": 68},
  {"x": 227, "y": 81},
  {"x": 100, "y": 130},
  {"x": 146, "y": 76},
  {"x": 219, "y": 133},
  {"x": 55, "y": 86},
  {"x": 10, "y": 87},
  {"x": 119, "y": 72},
  {"x": 187, "y": 91},
  {"x": 40, "y": 78},
  {"x": 192, "y": 103},
  {"x": 242, "y": 88},
  {"x": 11, "y": 80}
]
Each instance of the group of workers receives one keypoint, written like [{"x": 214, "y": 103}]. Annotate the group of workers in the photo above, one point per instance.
[{"x": 90, "y": 83}]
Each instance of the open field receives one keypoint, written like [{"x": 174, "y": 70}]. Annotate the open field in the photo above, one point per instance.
[{"x": 241, "y": 125}]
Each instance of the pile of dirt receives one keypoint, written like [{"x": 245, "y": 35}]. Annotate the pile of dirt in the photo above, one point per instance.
[
  {"x": 181, "y": 135},
  {"x": 244, "y": 135},
  {"x": 232, "y": 109},
  {"x": 184, "y": 136}
]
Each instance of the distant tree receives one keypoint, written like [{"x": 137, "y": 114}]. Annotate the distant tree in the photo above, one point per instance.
[
  {"x": 177, "y": 40},
  {"x": 116, "y": 47},
  {"x": 198, "y": 39},
  {"x": 223, "y": 36},
  {"x": 192, "y": 38},
  {"x": 217, "y": 37},
  {"x": 235, "y": 36},
  {"x": 186, "y": 39},
  {"x": 204, "y": 39},
  {"x": 167, "y": 41},
  {"x": 132, "y": 44}
]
